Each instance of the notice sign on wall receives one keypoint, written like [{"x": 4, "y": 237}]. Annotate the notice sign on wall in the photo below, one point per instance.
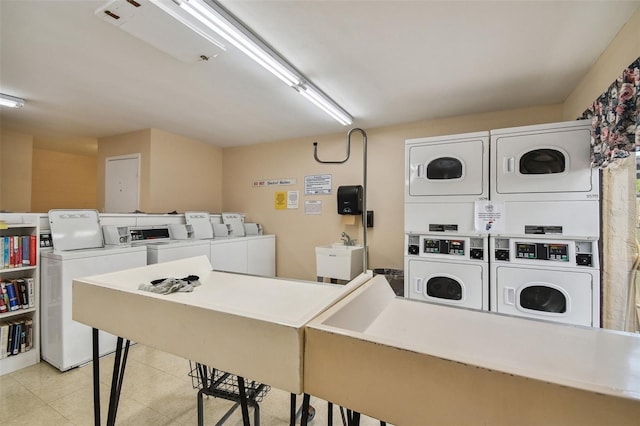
[
  {"x": 317, "y": 185},
  {"x": 313, "y": 207},
  {"x": 280, "y": 200}
]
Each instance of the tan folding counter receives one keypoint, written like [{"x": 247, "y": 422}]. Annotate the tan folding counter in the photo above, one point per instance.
[{"x": 411, "y": 364}]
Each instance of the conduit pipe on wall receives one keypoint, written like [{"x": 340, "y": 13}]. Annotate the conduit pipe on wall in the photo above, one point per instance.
[{"x": 364, "y": 182}]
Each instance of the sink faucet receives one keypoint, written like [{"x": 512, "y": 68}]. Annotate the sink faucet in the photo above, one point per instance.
[{"x": 347, "y": 240}]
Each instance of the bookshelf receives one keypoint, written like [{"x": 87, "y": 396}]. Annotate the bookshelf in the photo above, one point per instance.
[{"x": 20, "y": 318}]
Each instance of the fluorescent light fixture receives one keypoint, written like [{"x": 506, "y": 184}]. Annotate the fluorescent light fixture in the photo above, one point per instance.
[
  {"x": 323, "y": 102},
  {"x": 166, "y": 6},
  {"x": 11, "y": 101},
  {"x": 215, "y": 17}
]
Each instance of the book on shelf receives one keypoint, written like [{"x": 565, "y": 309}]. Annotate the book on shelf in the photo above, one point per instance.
[
  {"x": 25, "y": 250},
  {"x": 21, "y": 283},
  {"x": 4, "y": 294},
  {"x": 16, "y": 337},
  {"x": 3, "y": 306},
  {"x": 4, "y": 339},
  {"x": 31, "y": 291},
  {"x": 14, "y": 304},
  {"x": 17, "y": 251},
  {"x": 5, "y": 252},
  {"x": 33, "y": 249}
]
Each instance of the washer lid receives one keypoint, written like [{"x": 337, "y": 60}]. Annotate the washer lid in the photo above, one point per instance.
[{"x": 75, "y": 229}]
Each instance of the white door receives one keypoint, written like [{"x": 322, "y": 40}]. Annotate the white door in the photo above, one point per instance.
[
  {"x": 122, "y": 184},
  {"x": 446, "y": 168},
  {"x": 450, "y": 283},
  {"x": 543, "y": 162},
  {"x": 554, "y": 295}
]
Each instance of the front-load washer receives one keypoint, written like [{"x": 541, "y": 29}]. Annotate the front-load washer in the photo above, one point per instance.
[
  {"x": 449, "y": 270},
  {"x": 543, "y": 175},
  {"x": 444, "y": 176},
  {"x": 77, "y": 252},
  {"x": 547, "y": 279}
]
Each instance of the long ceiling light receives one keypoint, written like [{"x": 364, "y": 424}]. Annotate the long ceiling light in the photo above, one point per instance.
[
  {"x": 11, "y": 101},
  {"x": 215, "y": 17}
]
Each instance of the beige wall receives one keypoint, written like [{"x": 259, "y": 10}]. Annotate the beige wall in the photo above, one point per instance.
[
  {"x": 297, "y": 233},
  {"x": 622, "y": 51},
  {"x": 15, "y": 171},
  {"x": 185, "y": 174},
  {"x": 176, "y": 172},
  {"x": 62, "y": 181}
]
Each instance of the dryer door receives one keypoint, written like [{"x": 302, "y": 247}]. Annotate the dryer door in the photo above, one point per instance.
[
  {"x": 450, "y": 168},
  {"x": 554, "y": 295},
  {"x": 451, "y": 283},
  {"x": 543, "y": 162}
]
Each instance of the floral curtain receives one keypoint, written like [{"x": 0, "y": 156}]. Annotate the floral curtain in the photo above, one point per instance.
[{"x": 614, "y": 117}]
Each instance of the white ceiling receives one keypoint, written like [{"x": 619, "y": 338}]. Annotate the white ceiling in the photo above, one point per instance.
[{"x": 385, "y": 62}]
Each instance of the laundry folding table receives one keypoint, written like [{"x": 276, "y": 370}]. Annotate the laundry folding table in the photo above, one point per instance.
[
  {"x": 414, "y": 363},
  {"x": 246, "y": 325}
]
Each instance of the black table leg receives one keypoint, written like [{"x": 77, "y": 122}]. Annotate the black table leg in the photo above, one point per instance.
[
  {"x": 96, "y": 378},
  {"x": 119, "y": 364},
  {"x": 329, "y": 414},
  {"x": 292, "y": 414},
  {"x": 243, "y": 402},
  {"x": 305, "y": 410}
]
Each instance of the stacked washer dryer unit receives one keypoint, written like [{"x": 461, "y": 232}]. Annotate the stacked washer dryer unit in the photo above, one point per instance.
[
  {"x": 446, "y": 259},
  {"x": 545, "y": 264}
]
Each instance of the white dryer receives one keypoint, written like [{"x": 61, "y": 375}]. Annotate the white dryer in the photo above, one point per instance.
[
  {"x": 447, "y": 270},
  {"x": 78, "y": 252},
  {"x": 543, "y": 175},
  {"x": 444, "y": 176},
  {"x": 547, "y": 279}
]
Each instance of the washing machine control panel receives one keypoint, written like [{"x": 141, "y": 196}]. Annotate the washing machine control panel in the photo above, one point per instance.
[
  {"x": 467, "y": 248},
  {"x": 453, "y": 247},
  {"x": 542, "y": 251},
  {"x": 564, "y": 252}
]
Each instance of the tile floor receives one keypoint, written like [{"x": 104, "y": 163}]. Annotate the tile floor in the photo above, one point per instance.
[{"x": 156, "y": 391}]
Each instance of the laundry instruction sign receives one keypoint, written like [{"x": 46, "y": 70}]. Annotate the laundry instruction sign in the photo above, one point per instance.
[
  {"x": 489, "y": 217},
  {"x": 317, "y": 185}
]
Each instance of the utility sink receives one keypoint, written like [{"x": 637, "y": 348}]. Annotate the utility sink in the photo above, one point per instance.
[{"x": 339, "y": 261}]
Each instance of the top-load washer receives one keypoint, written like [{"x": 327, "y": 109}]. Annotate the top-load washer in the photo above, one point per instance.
[
  {"x": 78, "y": 252},
  {"x": 543, "y": 175},
  {"x": 444, "y": 177}
]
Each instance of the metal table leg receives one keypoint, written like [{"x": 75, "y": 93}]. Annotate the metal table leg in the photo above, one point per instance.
[
  {"x": 96, "y": 377},
  {"x": 243, "y": 402},
  {"x": 305, "y": 410},
  {"x": 117, "y": 378}
]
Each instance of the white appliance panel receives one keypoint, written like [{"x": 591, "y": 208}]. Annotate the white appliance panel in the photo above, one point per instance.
[
  {"x": 455, "y": 217},
  {"x": 75, "y": 229},
  {"x": 462, "y": 284},
  {"x": 261, "y": 255},
  {"x": 201, "y": 224},
  {"x": 554, "y": 295},
  {"x": 229, "y": 255},
  {"x": 168, "y": 251},
  {"x": 561, "y": 218},
  {"x": 447, "y": 169},
  {"x": 66, "y": 343},
  {"x": 544, "y": 162}
]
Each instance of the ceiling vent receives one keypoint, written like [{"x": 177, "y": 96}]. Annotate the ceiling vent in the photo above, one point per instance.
[{"x": 156, "y": 22}]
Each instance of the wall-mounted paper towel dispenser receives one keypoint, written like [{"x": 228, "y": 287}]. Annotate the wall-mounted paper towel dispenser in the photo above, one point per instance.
[{"x": 350, "y": 199}]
